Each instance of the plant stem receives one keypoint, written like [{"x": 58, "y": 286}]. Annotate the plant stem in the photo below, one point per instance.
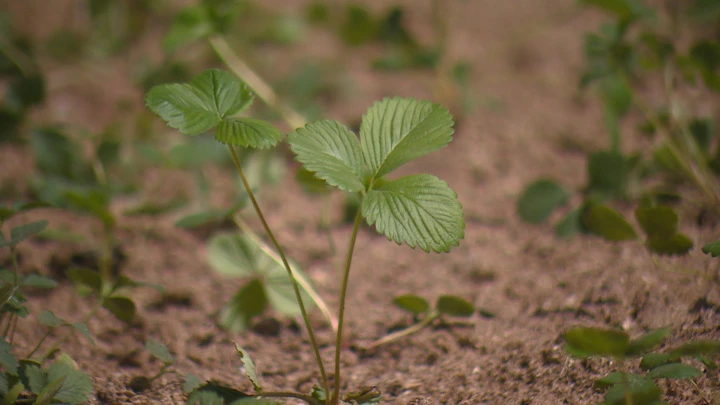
[
  {"x": 296, "y": 288},
  {"x": 341, "y": 312},
  {"x": 404, "y": 332},
  {"x": 287, "y": 394},
  {"x": 37, "y": 346},
  {"x": 256, "y": 83}
]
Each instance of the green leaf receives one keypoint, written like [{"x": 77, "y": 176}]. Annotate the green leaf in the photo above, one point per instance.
[
  {"x": 712, "y": 248},
  {"x": 539, "y": 200},
  {"x": 123, "y": 308},
  {"x": 46, "y": 396},
  {"x": 678, "y": 244},
  {"x": 616, "y": 95},
  {"x": 249, "y": 302},
  {"x": 705, "y": 10},
  {"x": 412, "y": 303},
  {"x": 419, "y": 210},
  {"x": 95, "y": 202},
  {"x": 225, "y": 394},
  {"x": 77, "y": 387},
  {"x": 570, "y": 225},
  {"x": 204, "y": 398},
  {"x": 697, "y": 348},
  {"x": 37, "y": 281},
  {"x": 159, "y": 351},
  {"x": 654, "y": 360},
  {"x": 607, "y": 172},
  {"x": 33, "y": 376},
  {"x": 637, "y": 390},
  {"x": 661, "y": 220},
  {"x": 190, "y": 24},
  {"x": 191, "y": 383},
  {"x": 48, "y": 318},
  {"x": 332, "y": 152},
  {"x": 86, "y": 277},
  {"x": 6, "y": 293},
  {"x": 676, "y": 371},
  {"x": 249, "y": 367},
  {"x": 623, "y": 9},
  {"x": 607, "y": 223},
  {"x": 84, "y": 330},
  {"x": 7, "y": 358},
  {"x": 22, "y": 232},
  {"x": 14, "y": 393},
  {"x": 454, "y": 306},
  {"x": 647, "y": 342},
  {"x": 397, "y": 130},
  {"x": 239, "y": 256},
  {"x": 597, "y": 342},
  {"x": 197, "y": 107},
  {"x": 247, "y": 133},
  {"x": 359, "y": 26}
]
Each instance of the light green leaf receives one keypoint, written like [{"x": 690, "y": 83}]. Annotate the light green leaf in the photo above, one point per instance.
[
  {"x": 48, "y": 318},
  {"x": 412, "y": 303},
  {"x": 159, "y": 351},
  {"x": 77, "y": 387},
  {"x": 249, "y": 367},
  {"x": 607, "y": 223},
  {"x": 597, "y": 342},
  {"x": 677, "y": 371},
  {"x": 539, "y": 200},
  {"x": 397, "y": 130},
  {"x": 332, "y": 152},
  {"x": 419, "y": 210},
  {"x": 712, "y": 248},
  {"x": 196, "y": 107},
  {"x": 247, "y": 133},
  {"x": 454, "y": 306}
]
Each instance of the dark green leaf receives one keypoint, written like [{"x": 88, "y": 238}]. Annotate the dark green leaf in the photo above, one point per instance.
[
  {"x": 56, "y": 154},
  {"x": 678, "y": 244},
  {"x": 7, "y": 358},
  {"x": 247, "y": 133},
  {"x": 159, "y": 351},
  {"x": 37, "y": 281},
  {"x": 22, "y": 232},
  {"x": 95, "y": 202},
  {"x": 397, "y": 130},
  {"x": 647, "y": 342},
  {"x": 676, "y": 371},
  {"x": 703, "y": 131},
  {"x": 597, "y": 342},
  {"x": 705, "y": 10},
  {"x": 249, "y": 367},
  {"x": 249, "y": 302},
  {"x": 123, "y": 308},
  {"x": 706, "y": 54},
  {"x": 419, "y": 210},
  {"x": 607, "y": 223},
  {"x": 33, "y": 376},
  {"x": 539, "y": 200},
  {"x": 412, "y": 303},
  {"x": 86, "y": 277},
  {"x": 6, "y": 293},
  {"x": 454, "y": 306},
  {"x": 84, "y": 330},
  {"x": 25, "y": 92},
  {"x": 332, "y": 152},
  {"x": 616, "y": 95},
  {"x": 661, "y": 220},
  {"x": 570, "y": 225},
  {"x": 607, "y": 173},
  {"x": 712, "y": 249},
  {"x": 654, "y": 360},
  {"x": 108, "y": 152},
  {"x": 636, "y": 390},
  {"x": 45, "y": 397},
  {"x": 197, "y": 152},
  {"x": 204, "y": 398},
  {"x": 708, "y": 363},
  {"x": 358, "y": 27},
  {"x": 226, "y": 395},
  {"x": 623, "y": 9},
  {"x": 696, "y": 348}
]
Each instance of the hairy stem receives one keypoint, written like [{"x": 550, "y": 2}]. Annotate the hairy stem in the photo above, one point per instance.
[
  {"x": 296, "y": 288},
  {"x": 341, "y": 312},
  {"x": 256, "y": 83},
  {"x": 404, "y": 332}
]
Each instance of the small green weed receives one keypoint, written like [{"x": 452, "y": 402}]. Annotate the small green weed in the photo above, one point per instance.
[
  {"x": 424, "y": 315},
  {"x": 417, "y": 210},
  {"x": 639, "y": 388}
]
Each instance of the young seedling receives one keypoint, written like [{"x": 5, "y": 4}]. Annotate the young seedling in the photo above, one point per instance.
[
  {"x": 418, "y": 210},
  {"x": 639, "y": 388},
  {"x": 424, "y": 315}
]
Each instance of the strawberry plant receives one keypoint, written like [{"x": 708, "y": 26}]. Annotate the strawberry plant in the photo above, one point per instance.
[
  {"x": 418, "y": 210},
  {"x": 624, "y": 387},
  {"x": 669, "y": 48}
]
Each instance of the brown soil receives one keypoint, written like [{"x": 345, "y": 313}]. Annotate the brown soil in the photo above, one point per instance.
[{"x": 526, "y": 58}]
